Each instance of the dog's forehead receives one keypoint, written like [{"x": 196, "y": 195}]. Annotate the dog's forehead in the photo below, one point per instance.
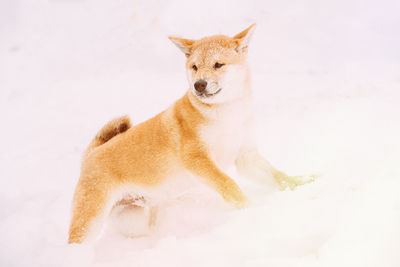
[{"x": 213, "y": 48}]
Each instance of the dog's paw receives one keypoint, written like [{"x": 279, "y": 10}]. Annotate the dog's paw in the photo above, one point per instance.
[
  {"x": 292, "y": 182},
  {"x": 236, "y": 199},
  {"x": 243, "y": 203}
]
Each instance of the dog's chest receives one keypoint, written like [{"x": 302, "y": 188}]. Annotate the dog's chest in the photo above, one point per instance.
[{"x": 225, "y": 133}]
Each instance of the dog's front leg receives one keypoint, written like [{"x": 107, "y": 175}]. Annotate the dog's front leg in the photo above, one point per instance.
[
  {"x": 201, "y": 165},
  {"x": 251, "y": 164}
]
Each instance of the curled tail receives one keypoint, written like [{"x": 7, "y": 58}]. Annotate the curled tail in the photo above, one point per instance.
[{"x": 111, "y": 129}]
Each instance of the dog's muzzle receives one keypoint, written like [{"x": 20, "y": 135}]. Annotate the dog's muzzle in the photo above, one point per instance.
[{"x": 200, "y": 89}]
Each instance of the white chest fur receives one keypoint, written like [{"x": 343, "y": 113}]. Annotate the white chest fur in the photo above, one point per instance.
[{"x": 227, "y": 131}]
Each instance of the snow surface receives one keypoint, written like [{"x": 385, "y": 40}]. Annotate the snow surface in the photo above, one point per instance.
[{"x": 326, "y": 79}]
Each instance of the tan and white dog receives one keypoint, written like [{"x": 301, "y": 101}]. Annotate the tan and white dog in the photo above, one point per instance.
[{"x": 204, "y": 132}]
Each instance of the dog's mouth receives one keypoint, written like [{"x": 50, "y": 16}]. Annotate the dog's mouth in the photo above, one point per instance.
[{"x": 204, "y": 94}]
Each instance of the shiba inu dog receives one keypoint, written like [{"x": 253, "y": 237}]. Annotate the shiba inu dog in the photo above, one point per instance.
[{"x": 204, "y": 132}]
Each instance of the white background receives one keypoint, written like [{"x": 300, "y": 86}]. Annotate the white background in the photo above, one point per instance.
[{"x": 326, "y": 78}]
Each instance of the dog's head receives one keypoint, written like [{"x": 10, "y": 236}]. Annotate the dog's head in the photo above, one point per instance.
[{"x": 216, "y": 66}]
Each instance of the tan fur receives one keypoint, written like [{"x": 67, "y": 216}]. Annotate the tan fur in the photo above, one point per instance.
[
  {"x": 144, "y": 155},
  {"x": 178, "y": 139}
]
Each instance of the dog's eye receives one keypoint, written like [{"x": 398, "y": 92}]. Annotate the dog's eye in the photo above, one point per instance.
[
  {"x": 218, "y": 65},
  {"x": 194, "y": 67}
]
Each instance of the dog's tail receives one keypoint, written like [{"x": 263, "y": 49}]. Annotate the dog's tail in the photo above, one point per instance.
[{"x": 111, "y": 129}]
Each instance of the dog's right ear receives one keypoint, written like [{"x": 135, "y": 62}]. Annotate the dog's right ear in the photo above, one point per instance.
[{"x": 184, "y": 45}]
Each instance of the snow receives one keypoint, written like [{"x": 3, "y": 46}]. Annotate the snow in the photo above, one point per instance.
[{"x": 326, "y": 81}]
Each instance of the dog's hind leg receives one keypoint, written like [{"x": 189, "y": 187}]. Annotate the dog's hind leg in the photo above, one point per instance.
[
  {"x": 89, "y": 209},
  {"x": 133, "y": 216}
]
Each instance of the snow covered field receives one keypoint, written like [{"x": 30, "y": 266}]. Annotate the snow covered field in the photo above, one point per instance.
[{"x": 326, "y": 78}]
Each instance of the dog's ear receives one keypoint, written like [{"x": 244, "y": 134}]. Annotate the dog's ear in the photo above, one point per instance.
[
  {"x": 184, "y": 45},
  {"x": 242, "y": 39}
]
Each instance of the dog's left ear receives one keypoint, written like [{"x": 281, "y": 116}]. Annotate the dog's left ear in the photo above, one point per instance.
[
  {"x": 243, "y": 38},
  {"x": 184, "y": 45}
]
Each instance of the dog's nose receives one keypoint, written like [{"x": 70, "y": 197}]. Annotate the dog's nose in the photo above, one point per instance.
[{"x": 200, "y": 86}]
